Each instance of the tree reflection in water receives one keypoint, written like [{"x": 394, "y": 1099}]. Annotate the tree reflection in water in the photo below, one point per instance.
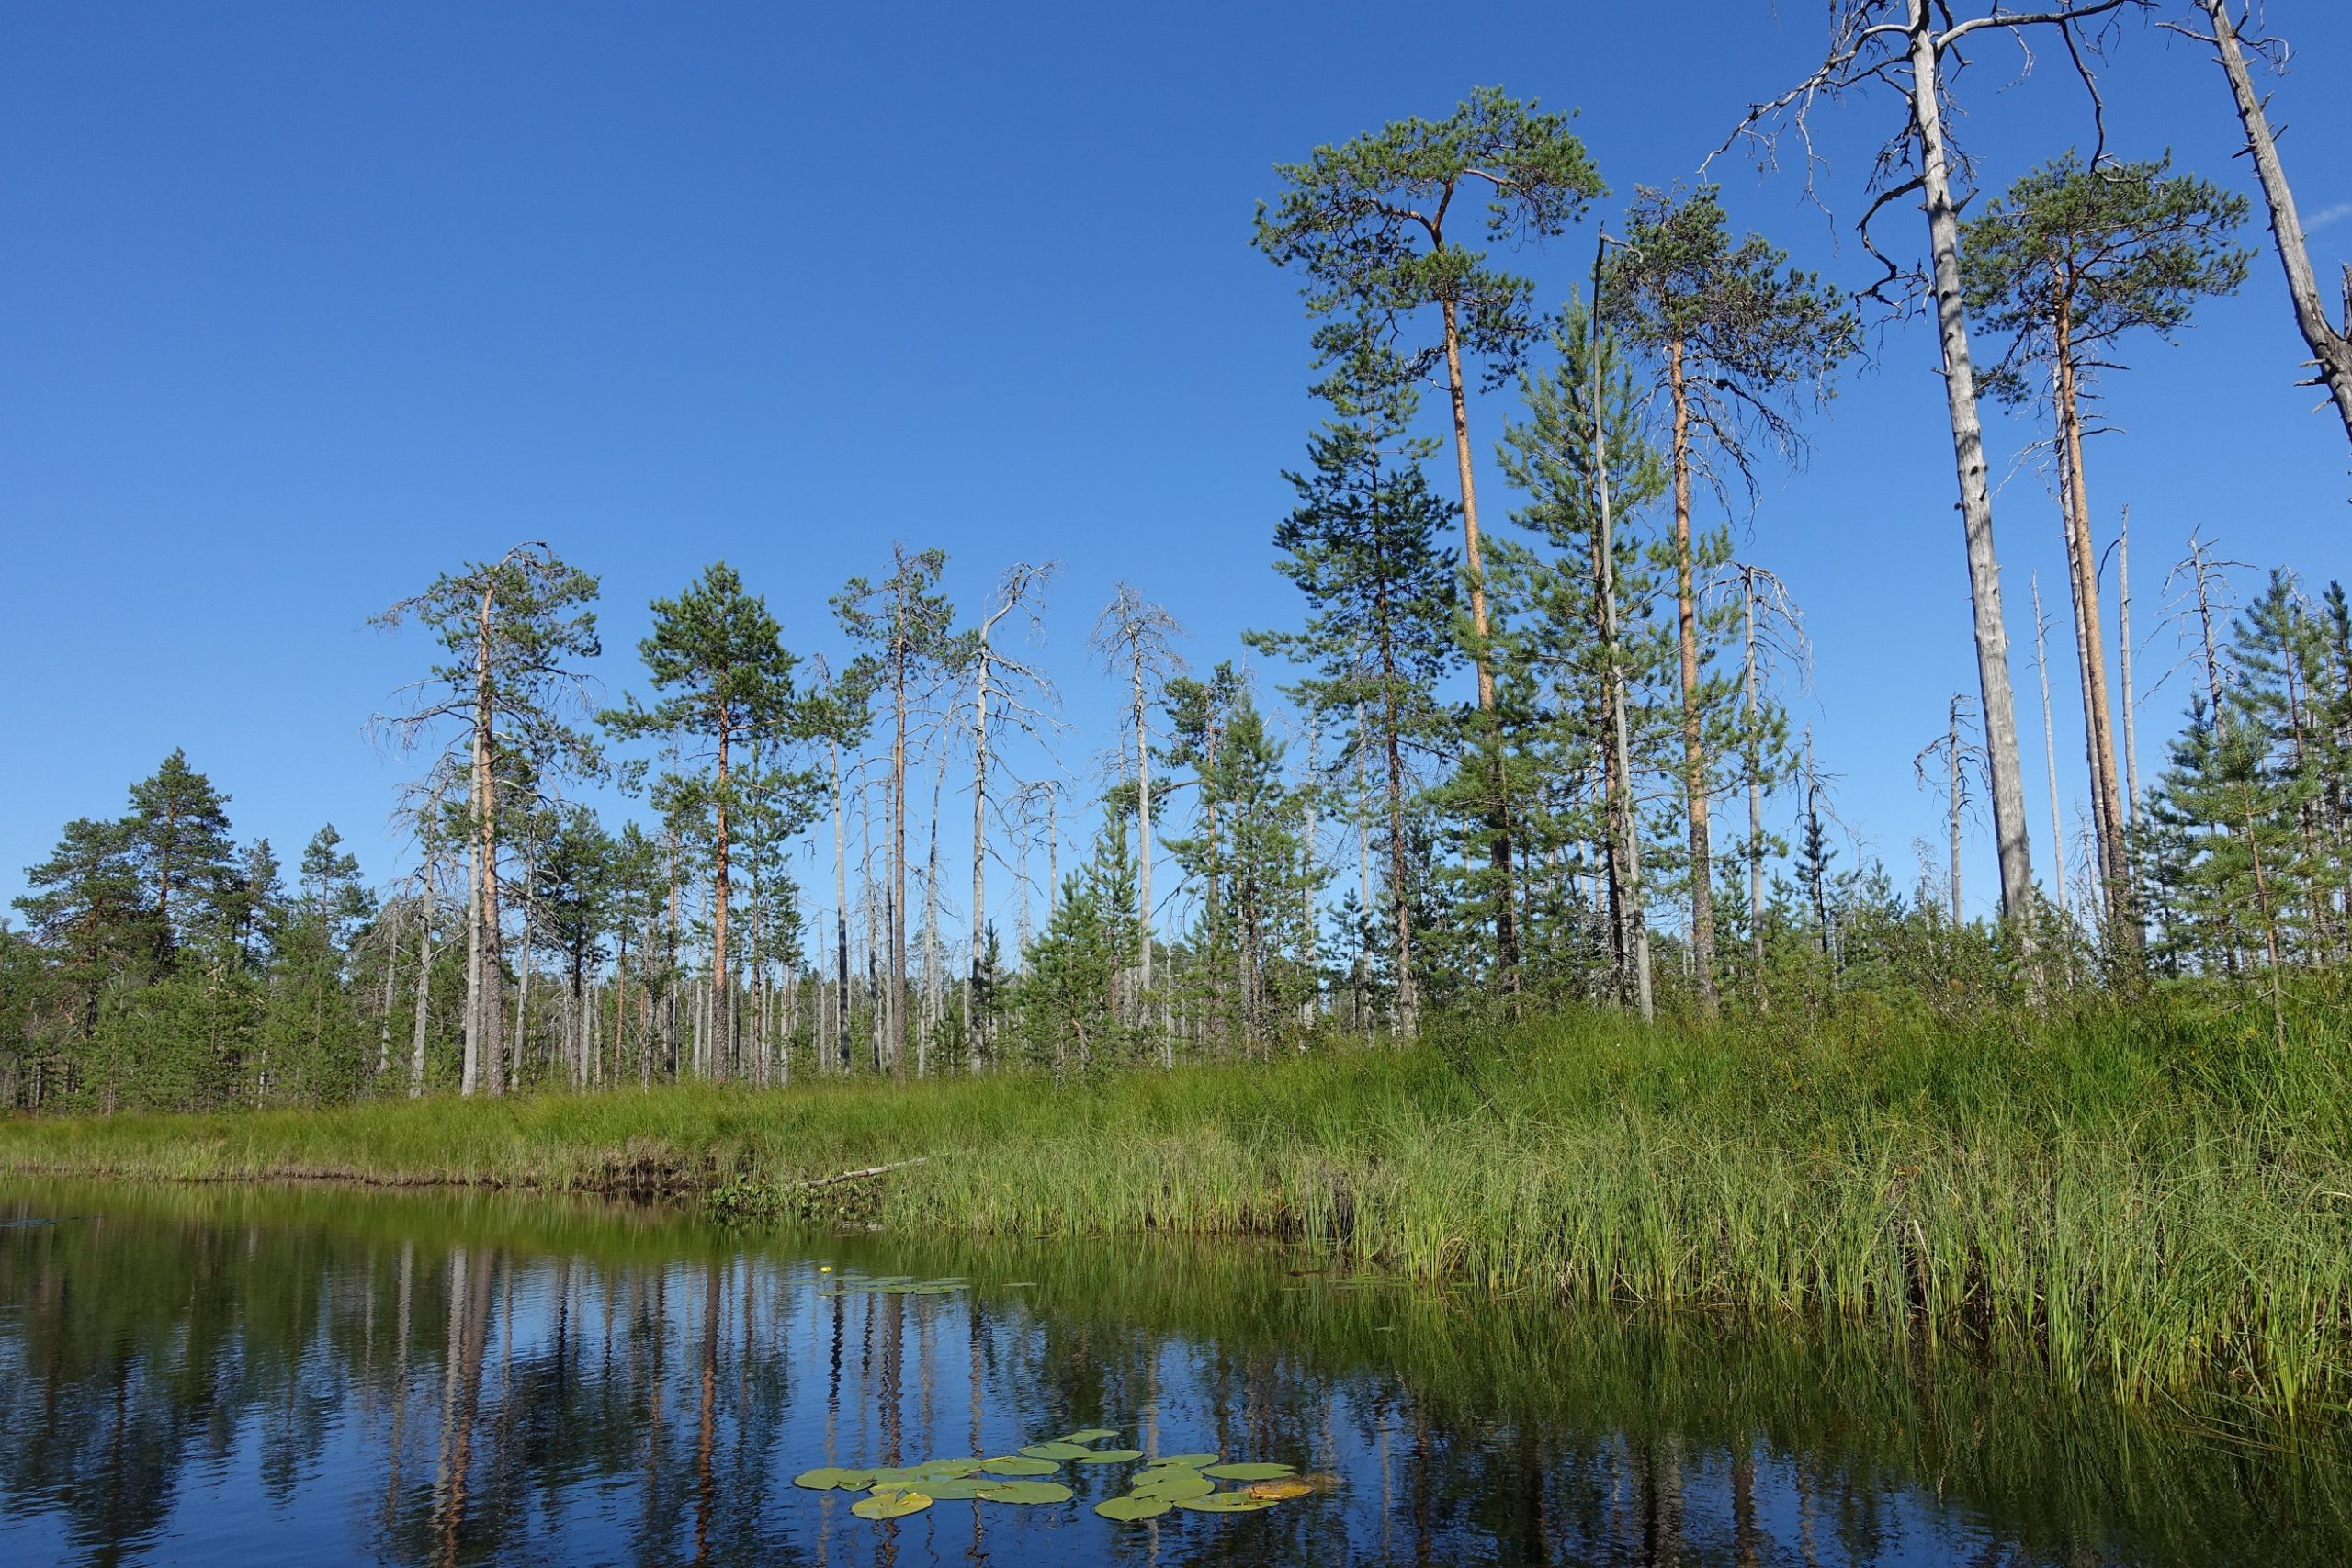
[{"x": 234, "y": 1376}]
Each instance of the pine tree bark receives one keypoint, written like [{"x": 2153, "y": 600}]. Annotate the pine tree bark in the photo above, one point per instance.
[
  {"x": 1999, "y": 706},
  {"x": 1473, "y": 560},
  {"x": 2107, "y": 794},
  {"x": 1694, "y": 748}
]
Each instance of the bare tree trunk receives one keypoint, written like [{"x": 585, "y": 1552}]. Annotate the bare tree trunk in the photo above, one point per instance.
[
  {"x": 2107, "y": 793},
  {"x": 931, "y": 1012},
  {"x": 897, "y": 893},
  {"x": 2124, "y": 650},
  {"x": 384, "y": 1014},
  {"x": 1754, "y": 802},
  {"x": 1473, "y": 560},
  {"x": 1999, "y": 706},
  {"x": 1142, "y": 828},
  {"x": 841, "y": 920},
  {"x": 972, "y": 1042},
  {"x": 423, "y": 983},
  {"x": 1951, "y": 780},
  {"x": 2050, "y": 749},
  {"x": 1694, "y": 749},
  {"x": 2331, "y": 348},
  {"x": 470, "y": 1060},
  {"x": 487, "y": 1060}
]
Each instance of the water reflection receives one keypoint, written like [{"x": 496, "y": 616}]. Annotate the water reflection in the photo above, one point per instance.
[{"x": 212, "y": 1376}]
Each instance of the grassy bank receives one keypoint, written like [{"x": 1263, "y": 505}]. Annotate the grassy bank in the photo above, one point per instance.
[{"x": 2152, "y": 1201}]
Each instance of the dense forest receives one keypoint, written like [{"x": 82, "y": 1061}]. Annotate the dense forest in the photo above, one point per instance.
[{"x": 1528, "y": 752}]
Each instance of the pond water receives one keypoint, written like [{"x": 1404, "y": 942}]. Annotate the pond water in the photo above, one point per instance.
[{"x": 250, "y": 1376}]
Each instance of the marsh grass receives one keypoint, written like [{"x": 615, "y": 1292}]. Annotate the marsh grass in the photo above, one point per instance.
[{"x": 2151, "y": 1199}]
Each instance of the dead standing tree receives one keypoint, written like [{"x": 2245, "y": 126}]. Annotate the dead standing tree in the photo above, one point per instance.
[
  {"x": 1914, "y": 47},
  {"x": 2331, "y": 346},
  {"x": 1004, "y": 690},
  {"x": 1961, "y": 757},
  {"x": 1137, "y": 637}
]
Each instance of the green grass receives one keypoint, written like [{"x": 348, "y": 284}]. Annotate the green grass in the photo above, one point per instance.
[{"x": 2150, "y": 1201}]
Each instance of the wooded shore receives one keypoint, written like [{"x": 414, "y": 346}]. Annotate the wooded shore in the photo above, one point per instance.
[{"x": 2154, "y": 1198}]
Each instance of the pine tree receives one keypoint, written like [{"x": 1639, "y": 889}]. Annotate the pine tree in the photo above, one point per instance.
[
  {"x": 1068, "y": 999},
  {"x": 2070, "y": 262},
  {"x": 1578, "y": 647},
  {"x": 1739, "y": 338},
  {"x": 179, "y": 833},
  {"x": 514, "y": 631},
  {"x": 1361, "y": 544},
  {"x": 1366, "y": 223},
  {"x": 719, "y": 655},
  {"x": 904, "y": 624}
]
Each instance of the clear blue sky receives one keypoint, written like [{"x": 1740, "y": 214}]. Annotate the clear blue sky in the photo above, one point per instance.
[{"x": 301, "y": 305}]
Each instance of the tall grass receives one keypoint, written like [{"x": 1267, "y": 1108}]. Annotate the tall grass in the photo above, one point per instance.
[{"x": 2150, "y": 1200}]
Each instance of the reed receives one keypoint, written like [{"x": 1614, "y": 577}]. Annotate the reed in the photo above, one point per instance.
[{"x": 2149, "y": 1199}]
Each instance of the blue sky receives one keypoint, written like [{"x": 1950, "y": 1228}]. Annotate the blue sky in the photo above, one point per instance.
[{"x": 303, "y": 305}]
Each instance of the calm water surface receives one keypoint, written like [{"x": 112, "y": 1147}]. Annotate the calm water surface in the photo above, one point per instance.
[{"x": 246, "y": 1377}]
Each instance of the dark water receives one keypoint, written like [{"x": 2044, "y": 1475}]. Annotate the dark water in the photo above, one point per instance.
[{"x": 241, "y": 1377}]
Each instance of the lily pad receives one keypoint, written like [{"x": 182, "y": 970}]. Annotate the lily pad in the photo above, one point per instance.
[
  {"x": 1064, "y": 1452},
  {"x": 1175, "y": 1484},
  {"x": 960, "y": 1490},
  {"x": 1020, "y": 1467},
  {"x": 890, "y": 1505},
  {"x": 1130, "y": 1509},
  {"x": 1225, "y": 1503},
  {"x": 1281, "y": 1491},
  {"x": 1090, "y": 1434},
  {"x": 824, "y": 1478},
  {"x": 1251, "y": 1471},
  {"x": 897, "y": 1476},
  {"x": 1109, "y": 1456},
  {"x": 1028, "y": 1491},
  {"x": 1189, "y": 1461}
]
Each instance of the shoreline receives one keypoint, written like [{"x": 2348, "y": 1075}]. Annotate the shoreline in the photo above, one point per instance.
[{"x": 2073, "y": 1195}]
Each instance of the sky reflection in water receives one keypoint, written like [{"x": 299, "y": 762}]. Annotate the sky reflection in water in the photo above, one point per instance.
[{"x": 225, "y": 1376}]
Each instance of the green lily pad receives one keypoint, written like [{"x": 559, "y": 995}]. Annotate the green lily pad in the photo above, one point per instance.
[
  {"x": 1251, "y": 1471},
  {"x": 1129, "y": 1509},
  {"x": 1175, "y": 1484},
  {"x": 1109, "y": 1456},
  {"x": 1225, "y": 1503},
  {"x": 897, "y": 1476},
  {"x": 959, "y": 1491},
  {"x": 1028, "y": 1491},
  {"x": 1064, "y": 1452},
  {"x": 1020, "y": 1467},
  {"x": 1189, "y": 1461},
  {"x": 824, "y": 1478},
  {"x": 890, "y": 1505},
  {"x": 1092, "y": 1433}
]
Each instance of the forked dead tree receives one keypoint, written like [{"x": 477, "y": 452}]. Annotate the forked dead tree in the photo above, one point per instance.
[
  {"x": 1004, "y": 690},
  {"x": 1914, "y": 47}
]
